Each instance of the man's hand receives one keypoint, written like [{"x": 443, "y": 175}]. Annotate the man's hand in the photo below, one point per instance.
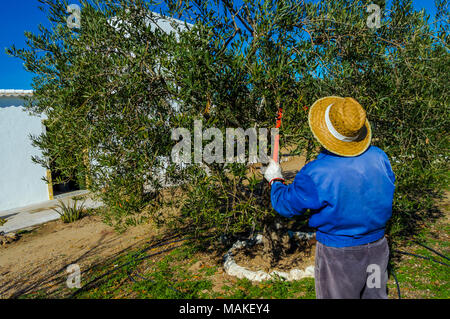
[{"x": 273, "y": 171}]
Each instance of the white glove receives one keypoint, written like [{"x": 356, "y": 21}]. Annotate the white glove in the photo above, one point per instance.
[{"x": 273, "y": 170}]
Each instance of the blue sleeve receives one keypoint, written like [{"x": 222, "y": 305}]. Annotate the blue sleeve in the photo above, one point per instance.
[{"x": 296, "y": 198}]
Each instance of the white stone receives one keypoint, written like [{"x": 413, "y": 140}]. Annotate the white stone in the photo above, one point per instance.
[{"x": 233, "y": 269}]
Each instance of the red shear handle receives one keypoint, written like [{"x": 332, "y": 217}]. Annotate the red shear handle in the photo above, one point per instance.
[{"x": 276, "y": 145}]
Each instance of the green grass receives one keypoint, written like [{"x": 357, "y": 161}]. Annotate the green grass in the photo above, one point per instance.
[
  {"x": 423, "y": 279},
  {"x": 171, "y": 275},
  {"x": 420, "y": 278},
  {"x": 273, "y": 289}
]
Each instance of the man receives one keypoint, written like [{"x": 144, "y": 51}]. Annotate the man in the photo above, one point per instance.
[{"x": 349, "y": 189}]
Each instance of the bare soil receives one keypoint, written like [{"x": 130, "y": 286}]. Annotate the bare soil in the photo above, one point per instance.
[
  {"x": 42, "y": 255},
  {"x": 254, "y": 259}
]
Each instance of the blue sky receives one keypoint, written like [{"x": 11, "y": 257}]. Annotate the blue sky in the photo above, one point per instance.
[{"x": 17, "y": 16}]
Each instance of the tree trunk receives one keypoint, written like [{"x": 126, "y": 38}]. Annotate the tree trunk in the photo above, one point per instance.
[{"x": 276, "y": 241}]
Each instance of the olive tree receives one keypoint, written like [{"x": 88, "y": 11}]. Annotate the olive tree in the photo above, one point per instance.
[{"x": 114, "y": 90}]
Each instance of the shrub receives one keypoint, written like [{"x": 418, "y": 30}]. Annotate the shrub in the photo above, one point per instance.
[{"x": 70, "y": 212}]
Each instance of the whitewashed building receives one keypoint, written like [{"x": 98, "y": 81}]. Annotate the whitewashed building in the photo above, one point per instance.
[{"x": 21, "y": 181}]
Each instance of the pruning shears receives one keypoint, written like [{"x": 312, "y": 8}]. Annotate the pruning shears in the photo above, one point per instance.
[{"x": 276, "y": 146}]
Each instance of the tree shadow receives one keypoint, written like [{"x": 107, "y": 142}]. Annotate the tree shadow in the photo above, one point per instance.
[{"x": 55, "y": 278}]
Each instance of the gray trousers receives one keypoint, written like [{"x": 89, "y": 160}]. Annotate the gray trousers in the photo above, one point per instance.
[{"x": 358, "y": 272}]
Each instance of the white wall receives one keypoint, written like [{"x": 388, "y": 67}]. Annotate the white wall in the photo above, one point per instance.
[{"x": 21, "y": 181}]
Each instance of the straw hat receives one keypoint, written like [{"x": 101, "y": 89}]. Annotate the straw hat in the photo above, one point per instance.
[{"x": 340, "y": 125}]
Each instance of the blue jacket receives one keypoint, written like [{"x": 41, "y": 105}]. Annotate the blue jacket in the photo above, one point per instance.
[{"x": 350, "y": 197}]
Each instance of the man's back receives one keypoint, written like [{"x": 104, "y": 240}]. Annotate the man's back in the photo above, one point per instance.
[
  {"x": 351, "y": 197},
  {"x": 356, "y": 193}
]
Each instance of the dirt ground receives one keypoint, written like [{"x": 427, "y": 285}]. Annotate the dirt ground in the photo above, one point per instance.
[
  {"x": 255, "y": 259},
  {"x": 39, "y": 259},
  {"x": 43, "y": 254}
]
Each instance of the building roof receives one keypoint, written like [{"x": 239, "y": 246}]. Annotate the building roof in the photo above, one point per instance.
[
  {"x": 155, "y": 20},
  {"x": 15, "y": 93}
]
